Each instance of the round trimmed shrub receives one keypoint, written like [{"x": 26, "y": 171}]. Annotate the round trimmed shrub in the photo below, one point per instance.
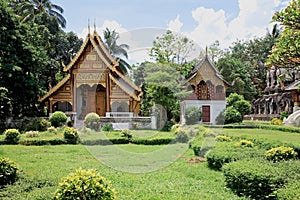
[
  {"x": 8, "y": 171},
  {"x": 280, "y": 153},
  {"x": 92, "y": 120},
  {"x": 259, "y": 178},
  {"x": 12, "y": 136},
  {"x": 192, "y": 115},
  {"x": 85, "y": 184},
  {"x": 58, "y": 118},
  {"x": 71, "y": 135},
  {"x": 232, "y": 115}
]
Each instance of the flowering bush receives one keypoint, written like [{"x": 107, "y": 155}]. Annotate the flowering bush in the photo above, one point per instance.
[
  {"x": 85, "y": 184},
  {"x": 31, "y": 134},
  {"x": 223, "y": 138},
  {"x": 245, "y": 143},
  {"x": 280, "y": 153},
  {"x": 276, "y": 121},
  {"x": 71, "y": 135}
]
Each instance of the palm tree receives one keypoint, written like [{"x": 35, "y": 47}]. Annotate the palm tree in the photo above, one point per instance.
[
  {"x": 110, "y": 40},
  {"x": 275, "y": 32},
  {"x": 30, "y": 9}
]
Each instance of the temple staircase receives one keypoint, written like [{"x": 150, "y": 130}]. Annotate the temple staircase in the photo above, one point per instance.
[{"x": 293, "y": 119}]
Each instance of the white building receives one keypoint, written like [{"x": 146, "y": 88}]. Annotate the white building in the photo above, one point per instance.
[{"x": 209, "y": 91}]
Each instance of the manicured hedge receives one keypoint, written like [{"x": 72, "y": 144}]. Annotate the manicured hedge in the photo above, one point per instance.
[
  {"x": 155, "y": 141},
  {"x": 289, "y": 191},
  {"x": 226, "y": 152},
  {"x": 259, "y": 178},
  {"x": 42, "y": 142},
  {"x": 259, "y": 126}
]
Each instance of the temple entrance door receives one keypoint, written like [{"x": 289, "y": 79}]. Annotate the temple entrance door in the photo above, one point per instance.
[
  {"x": 100, "y": 103},
  {"x": 205, "y": 113},
  {"x": 91, "y": 102}
]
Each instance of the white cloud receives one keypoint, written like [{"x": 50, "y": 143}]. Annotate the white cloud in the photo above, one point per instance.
[
  {"x": 112, "y": 25},
  {"x": 175, "y": 25},
  {"x": 252, "y": 21},
  {"x": 211, "y": 26}
]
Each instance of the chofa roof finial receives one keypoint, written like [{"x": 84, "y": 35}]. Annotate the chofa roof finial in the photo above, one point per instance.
[
  {"x": 95, "y": 27},
  {"x": 89, "y": 27}
]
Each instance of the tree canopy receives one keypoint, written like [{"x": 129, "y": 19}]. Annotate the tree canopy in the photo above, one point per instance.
[
  {"x": 30, "y": 52},
  {"x": 172, "y": 48},
  {"x": 286, "y": 51}
]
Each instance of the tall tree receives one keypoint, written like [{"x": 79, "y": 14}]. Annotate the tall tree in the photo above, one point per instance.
[
  {"x": 30, "y": 10},
  {"x": 172, "y": 48},
  {"x": 117, "y": 50},
  {"x": 21, "y": 63},
  {"x": 162, "y": 84},
  {"x": 286, "y": 51}
]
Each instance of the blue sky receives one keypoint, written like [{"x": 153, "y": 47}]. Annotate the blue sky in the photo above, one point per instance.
[{"x": 203, "y": 21}]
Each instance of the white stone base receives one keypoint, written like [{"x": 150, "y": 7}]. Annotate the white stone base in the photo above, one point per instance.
[{"x": 216, "y": 106}]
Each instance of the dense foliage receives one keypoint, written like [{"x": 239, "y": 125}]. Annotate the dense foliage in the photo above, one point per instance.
[
  {"x": 285, "y": 52},
  {"x": 85, "y": 184},
  {"x": 92, "y": 120},
  {"x": 8, "y": 171},
  {"x": 58, "y": 118},
  {"x": 192, "y": 115},
  {"x": 257, "y": 178},
  {"x": 31, "y": 53},
  {"x": 12, "y": 136},
  {"x": 71, "y": 135}
]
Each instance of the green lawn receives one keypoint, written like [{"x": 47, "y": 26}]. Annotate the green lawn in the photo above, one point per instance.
[
  {"x": 135, "y": 171},
  {"x": 273, "y": 135},
  {"x": 179, "y": 179}
]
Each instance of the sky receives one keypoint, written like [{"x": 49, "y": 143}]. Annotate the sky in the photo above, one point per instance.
[{"x": 139, "y": 22}]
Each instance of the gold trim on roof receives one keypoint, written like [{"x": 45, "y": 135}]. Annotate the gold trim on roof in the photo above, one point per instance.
[
  {"x": 124, "y": 89},
  {"x": 55, "y": 88},
  {"x": 101, "y": 43},
  {"x": 72, "y": 62}
]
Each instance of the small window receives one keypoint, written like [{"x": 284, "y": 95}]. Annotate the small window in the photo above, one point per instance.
[{"x": 220, "y": 89}]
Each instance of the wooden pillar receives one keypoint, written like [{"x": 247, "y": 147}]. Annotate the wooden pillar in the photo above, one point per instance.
[
  {"x": 74, "y": 94},
  {"x": 108, "y": 89},
  {"x": 130, "y": 105},
  {"x": 50, "y": 105}
]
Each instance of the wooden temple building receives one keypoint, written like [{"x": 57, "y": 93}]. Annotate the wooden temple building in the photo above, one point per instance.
[
  {"x": 208, "y": 91},
  {"x": 94, "y": 83}
]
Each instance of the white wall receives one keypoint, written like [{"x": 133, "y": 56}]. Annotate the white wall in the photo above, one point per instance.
[{"x": 216, "y": 106}]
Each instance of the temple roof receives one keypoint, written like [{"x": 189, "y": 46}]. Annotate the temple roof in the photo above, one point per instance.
[
  {"x": 112, "y": 64},
  {"x": 55, "y": 88},
  {"x": 198, "y": 67}
]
